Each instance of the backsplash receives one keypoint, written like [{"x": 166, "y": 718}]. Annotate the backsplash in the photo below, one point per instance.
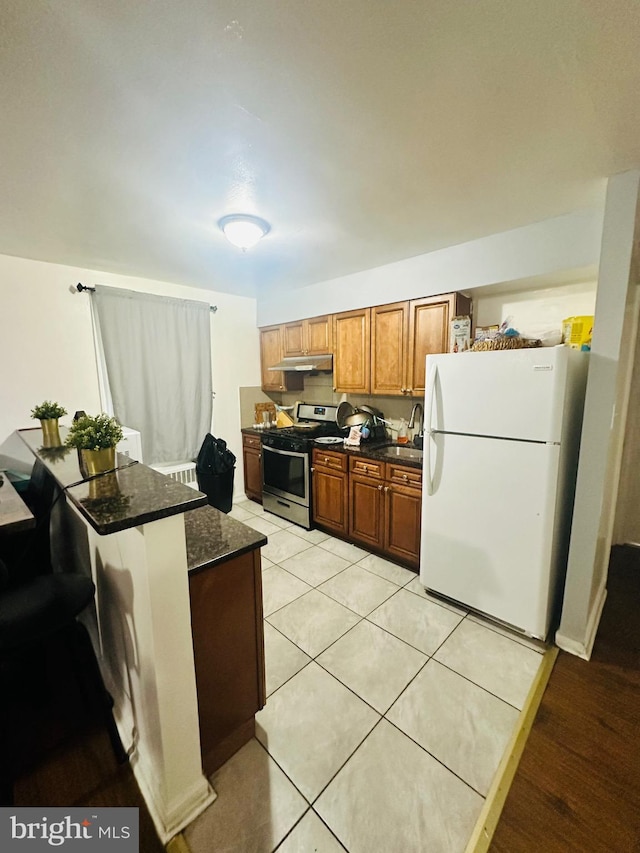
[{"x": 318, "y": 388}]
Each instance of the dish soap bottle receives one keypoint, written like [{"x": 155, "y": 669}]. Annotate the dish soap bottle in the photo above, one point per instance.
[{"x": 403, "y": 437}]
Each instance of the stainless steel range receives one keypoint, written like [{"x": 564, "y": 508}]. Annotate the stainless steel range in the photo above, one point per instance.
[{"x": 286, "y": 462}]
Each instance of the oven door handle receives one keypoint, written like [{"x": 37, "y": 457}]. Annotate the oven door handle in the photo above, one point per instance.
[{"x": 284, "y": 452}]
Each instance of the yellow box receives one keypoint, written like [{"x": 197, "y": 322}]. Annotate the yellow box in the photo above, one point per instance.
[{"x": 576, "y": 332}]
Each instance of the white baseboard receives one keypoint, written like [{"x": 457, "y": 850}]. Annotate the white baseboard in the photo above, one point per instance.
[
  {"x": 584, "y": 649},
  {"x": 170, "y": 823}
]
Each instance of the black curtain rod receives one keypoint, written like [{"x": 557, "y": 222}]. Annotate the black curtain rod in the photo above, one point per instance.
[{"x": 81, "y": 288}]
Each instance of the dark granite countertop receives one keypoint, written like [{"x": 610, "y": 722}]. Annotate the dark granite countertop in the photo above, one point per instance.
[
  {"x": 213, "y": 537},
  {"x": 369, "y": 451},
  {"x": 132, "y": 496},
  {"x": 375, "y": 451}
]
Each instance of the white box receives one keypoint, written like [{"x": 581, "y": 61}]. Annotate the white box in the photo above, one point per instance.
[
  {"x": 131, "y": 444},
  {"x": 460, "y": 337}
]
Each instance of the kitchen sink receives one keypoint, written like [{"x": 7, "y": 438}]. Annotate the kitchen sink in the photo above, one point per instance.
[{"x": 402, "y": 453}]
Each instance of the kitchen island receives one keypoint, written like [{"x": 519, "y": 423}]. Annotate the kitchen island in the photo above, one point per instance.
[{"x": 156, "y": 553}]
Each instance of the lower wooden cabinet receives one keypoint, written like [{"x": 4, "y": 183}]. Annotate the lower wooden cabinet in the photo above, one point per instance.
[
  {"x": 403, "y": 513},
  {"x": 385, "y": 503},
  {"x": 228, "y": 648},
  {"x": 252, "y": 465},
  {"x": 330, "y": 491},
  {"x": 365, "y": 511},
  {"x": 366, "y": 523}
]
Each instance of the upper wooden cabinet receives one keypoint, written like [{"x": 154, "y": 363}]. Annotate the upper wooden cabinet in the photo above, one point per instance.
[
  {"x": 307, "y": 337},
  {"x": 379, "y": 350},
  {"x": 271, "y": 351},
  {"x": 403, "y": 334},
  {"x": 351, "y": 351},
  {"x": 389, "y": 348},
  {"x": 429, "y": 326}
]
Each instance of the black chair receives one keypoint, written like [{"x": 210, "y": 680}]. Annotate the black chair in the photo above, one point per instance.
[
  {"x": 28, "y": 553},
  {"x": 36, "y": 617}
]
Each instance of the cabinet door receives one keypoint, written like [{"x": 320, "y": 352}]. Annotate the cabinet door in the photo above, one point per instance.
[
  {"x": 429, "y": 321},
  {"x": 252, "y": 459},
  {"x": 330, "y": 499},
  {"x": 389, "y": 339},
  {"x": 293, "y": 338},
  {"x": 270, "y": 354},
  {"x": 402, "y": 517},
  {"x": 228, "y": 650},
  {"x": 366, "y": 522},
  {"x": 319, "y": 337},
  {"x": 351, "y": 346}
]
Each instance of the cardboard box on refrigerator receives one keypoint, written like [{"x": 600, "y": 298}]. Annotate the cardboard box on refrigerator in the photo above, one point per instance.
[
  {"x": 576, "y": 332},
  {"x": 460, "y": 334}
]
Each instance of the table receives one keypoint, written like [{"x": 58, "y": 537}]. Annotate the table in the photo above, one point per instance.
[{"x": 15, "y": 515}]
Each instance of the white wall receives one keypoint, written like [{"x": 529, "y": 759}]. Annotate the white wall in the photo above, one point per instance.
[
  {"x": 542, "y": 249},
  {"x": 535, "y": 310},
  {"x": 627, "y": 522},
  {"x": 604, "y": 420},
  {"x": 46, "y": 344}
]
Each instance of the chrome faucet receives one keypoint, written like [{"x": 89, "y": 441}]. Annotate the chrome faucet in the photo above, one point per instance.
[{"x": 412, "y": 419}]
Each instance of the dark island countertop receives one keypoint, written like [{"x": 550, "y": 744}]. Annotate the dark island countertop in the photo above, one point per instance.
[
  {"x": 213, "y": 537},
  {"x": 134, "y": 495}
]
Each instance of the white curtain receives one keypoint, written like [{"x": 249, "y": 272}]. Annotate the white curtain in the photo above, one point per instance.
[{"x": 157, "y": 352}]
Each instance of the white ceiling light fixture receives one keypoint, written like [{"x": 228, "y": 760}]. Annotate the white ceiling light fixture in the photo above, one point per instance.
[{"x": 243, "y": 230}]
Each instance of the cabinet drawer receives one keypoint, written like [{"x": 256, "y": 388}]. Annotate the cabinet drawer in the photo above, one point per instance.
[
  {"x": 327, "y": 459},
  {"x": 251, "y": 441},
  {"x": 404, "y": 476},
  {"x": 368, "y": 467}
]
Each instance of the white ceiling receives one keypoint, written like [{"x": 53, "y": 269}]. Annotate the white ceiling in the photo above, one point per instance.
[{"x": 364, "y": 131}]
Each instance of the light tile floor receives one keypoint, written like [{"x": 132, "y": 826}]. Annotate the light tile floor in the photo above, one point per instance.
[{"x": 387, "y": 713}]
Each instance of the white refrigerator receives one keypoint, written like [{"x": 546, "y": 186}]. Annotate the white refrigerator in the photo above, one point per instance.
[{"x": 501, "y": 443}]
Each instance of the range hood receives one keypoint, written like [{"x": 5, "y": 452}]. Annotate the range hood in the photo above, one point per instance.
[{"x": 305, "y": 363}]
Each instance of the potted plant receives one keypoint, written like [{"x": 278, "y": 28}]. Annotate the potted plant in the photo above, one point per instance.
[
  {"x": 96, "y": 438},
  {"x": 48, "y": 413}
]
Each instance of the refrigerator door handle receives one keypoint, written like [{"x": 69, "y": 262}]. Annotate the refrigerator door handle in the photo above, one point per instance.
[{"x": 432, "y": 373}]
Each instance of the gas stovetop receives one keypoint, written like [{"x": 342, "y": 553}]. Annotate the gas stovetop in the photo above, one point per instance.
[
  {"x": 299, "y": 439},
  {"x": 306, "y": 429},
  {"x": 314, "y": 420}
]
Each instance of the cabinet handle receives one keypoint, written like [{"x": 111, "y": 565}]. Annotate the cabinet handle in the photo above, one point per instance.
[
  {"x": 380, "y": 488},
  {"x": 312, "y": 470},
  {"x": 326, "y": 460},
  {"x": 386, "y": 489},
  {"x": 365, "y": 468},
  {"x": 404, "y": 477},
  {"x": 259, "y": 455}
]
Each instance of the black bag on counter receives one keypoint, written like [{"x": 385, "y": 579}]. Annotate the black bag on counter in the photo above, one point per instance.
[{"x": 215, "y": 467}]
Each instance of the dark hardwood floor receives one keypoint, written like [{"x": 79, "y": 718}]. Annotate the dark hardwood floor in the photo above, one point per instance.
[
  {"x": 61, "y": 751},
  {"x": 577, "y": 787},
  {"x": 82, "y": 771}
]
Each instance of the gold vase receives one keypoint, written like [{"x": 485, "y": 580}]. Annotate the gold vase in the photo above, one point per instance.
[
  {"x": 98, "y": 461},
  {"x": 104, "y": 487},
  {"x": 50, "y": 433}
]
